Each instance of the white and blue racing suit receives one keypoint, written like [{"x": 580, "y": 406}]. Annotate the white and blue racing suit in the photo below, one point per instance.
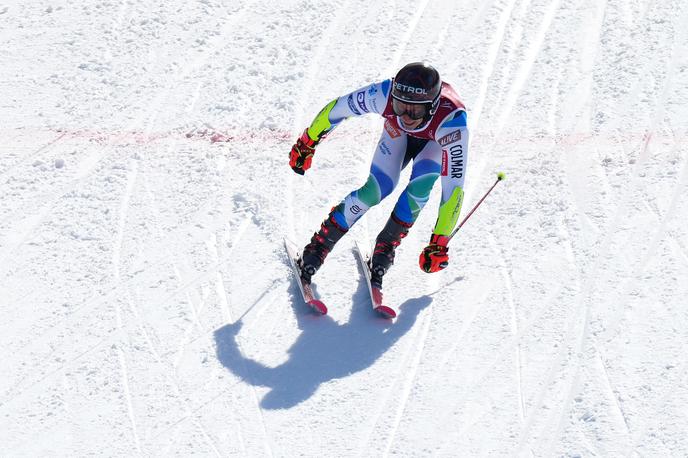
[{"x": 438, "y": 148}]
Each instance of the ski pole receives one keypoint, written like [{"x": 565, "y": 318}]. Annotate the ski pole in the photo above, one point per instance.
[{"x": 500, "y": 177}]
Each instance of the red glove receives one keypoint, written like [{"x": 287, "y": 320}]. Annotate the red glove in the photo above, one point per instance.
[
  {"x": 435, "y": 257},
  {"x": 302, "y": 153}
]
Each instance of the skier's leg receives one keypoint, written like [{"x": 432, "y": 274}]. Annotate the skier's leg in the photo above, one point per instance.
[
  {"x": 388, "y": 161},
  {"x": 426, "y": 168},
  {"x": 385, "y": 244},
  {"x": 320, "y": 245},
  {"x": 384, "y": 176}
]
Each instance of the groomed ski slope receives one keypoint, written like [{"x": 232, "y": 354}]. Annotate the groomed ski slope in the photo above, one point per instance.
[{"x": 146, "y": 301}]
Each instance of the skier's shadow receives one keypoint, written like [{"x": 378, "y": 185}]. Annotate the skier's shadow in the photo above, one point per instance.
[{"x": 324, "y": 351}]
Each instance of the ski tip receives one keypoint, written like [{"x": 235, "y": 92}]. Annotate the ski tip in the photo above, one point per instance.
[
  {"x": 385, "y": 311},
  {"x": 318, "y": 306}
]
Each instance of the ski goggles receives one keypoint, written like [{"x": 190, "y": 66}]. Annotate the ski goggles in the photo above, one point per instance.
[{"x": 414, "y": 111}]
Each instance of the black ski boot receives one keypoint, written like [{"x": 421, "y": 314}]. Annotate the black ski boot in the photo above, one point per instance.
[
  {"x": 386, "y": 243},
  {"x": 321, "y": 244}
]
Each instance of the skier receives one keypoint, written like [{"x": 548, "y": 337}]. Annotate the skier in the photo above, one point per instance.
[{"x": 425, "y": 122}]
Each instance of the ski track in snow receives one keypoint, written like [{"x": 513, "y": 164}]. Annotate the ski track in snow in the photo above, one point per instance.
[
  {"x": 142, "y": 329},
  {"x": 416, "y": 353},
  {"x": 228, "y": 315},
  {"x": 508, "y": 285},
  {"x": 116, "y": 254},
  {"x": 404, "y": 42},
  {"x": 516, "y": 88},
  {"x": 488, "y": 70},
  {"x": 580, "y": 338},
  {"x": 133, "y": 228},
  {"x": 611, "y": 392}
]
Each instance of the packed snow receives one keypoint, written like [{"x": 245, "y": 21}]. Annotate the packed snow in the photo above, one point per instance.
[{"x": 148, "y": 307}]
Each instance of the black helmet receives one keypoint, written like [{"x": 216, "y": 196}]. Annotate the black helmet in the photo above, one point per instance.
[{"x": 418, "y": 82}]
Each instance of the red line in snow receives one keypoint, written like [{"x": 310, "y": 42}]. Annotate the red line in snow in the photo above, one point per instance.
[{"x": 115, "y": 136}]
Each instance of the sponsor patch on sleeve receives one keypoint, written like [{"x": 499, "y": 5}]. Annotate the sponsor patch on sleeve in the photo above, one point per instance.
[
  {"x": 445, "y": 163},
  {"x": 360, "y": 98},
  {"x": 352, "y": 105},
  {"x": 450, "y": 138},
  {"x": 391, "y": 130}
]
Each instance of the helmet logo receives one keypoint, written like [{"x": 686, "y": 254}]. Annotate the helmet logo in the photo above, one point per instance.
[{"x": 414, "y": 90}]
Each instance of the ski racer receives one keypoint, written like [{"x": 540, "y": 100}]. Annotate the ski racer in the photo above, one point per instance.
[{"x": 425, "y": 122}]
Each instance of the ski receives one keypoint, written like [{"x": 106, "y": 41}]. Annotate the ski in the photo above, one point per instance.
[
  {"x": 375, "y": 293},
  {"x": 306, "y": 291}
]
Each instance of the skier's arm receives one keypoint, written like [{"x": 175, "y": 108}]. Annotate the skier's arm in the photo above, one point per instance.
[
  {"x": 452, "y": 135},
  {"x": 368, "y": 99}
]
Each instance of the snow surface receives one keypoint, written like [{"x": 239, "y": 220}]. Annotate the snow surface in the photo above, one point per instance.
[{"x": 147, "y": 306}]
